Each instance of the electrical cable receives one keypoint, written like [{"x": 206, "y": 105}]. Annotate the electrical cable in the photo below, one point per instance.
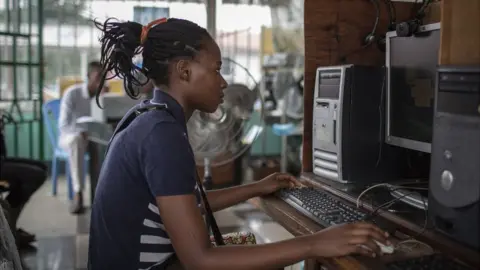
[
  {"x": 377, "y": 19},
  {"x": 370, "y": 38},
  {"x": 392, "y": 14},
  {"x": 388, "y": 204},
  {"x": 385, "y": 185},
  {"x": 381, "y": 114},
  {"x": 424, "y": 229},
  {"x": 412, "y": 11},
  {"x": 413, "y": 241},
  {"x": 421, "y": 11}
]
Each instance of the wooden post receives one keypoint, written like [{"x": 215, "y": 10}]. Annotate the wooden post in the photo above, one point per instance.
[{"x": 460, "y": 32}]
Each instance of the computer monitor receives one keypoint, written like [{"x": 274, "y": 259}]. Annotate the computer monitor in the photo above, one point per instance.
[
  {"x": 411, "y": 71},
  {"x": 114, "y": 107}
]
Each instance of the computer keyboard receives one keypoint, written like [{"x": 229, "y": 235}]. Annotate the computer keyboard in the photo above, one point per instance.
[
  {"x": 323, "y": 208},
  {"x": 430, "y": 262}
]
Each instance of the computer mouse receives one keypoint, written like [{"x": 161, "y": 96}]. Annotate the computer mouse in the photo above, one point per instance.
[{"x": 384, "y": 248}]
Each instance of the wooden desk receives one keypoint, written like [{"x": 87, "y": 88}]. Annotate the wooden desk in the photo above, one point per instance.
[
  {"x": 99, "y": 136},
  {"x": 298, "y": 224},
  {"x": 334, "y": 32}
]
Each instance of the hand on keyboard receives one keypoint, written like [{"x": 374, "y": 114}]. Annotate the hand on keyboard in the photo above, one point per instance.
[
  {"x": 346, "y": 239},
  {"x": 275, "y": 182}
]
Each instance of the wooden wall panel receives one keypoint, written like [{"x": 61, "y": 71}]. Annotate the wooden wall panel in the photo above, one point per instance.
[
  {"x": 334, "y": 28},
  {"x": 460, "y": 32}
]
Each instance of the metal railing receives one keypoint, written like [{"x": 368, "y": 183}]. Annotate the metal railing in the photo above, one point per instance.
[{"x": 21, "y": 74}]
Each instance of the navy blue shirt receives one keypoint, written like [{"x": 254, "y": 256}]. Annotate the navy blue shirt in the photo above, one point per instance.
[{"x": 151, "y": 157}]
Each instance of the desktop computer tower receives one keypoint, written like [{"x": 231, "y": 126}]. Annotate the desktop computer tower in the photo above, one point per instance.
[
  {"x": 454, "y": 187},
  {"x": 348, "y": 125}
]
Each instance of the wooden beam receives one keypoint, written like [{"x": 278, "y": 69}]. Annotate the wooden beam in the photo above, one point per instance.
[{"x": 460, "y": 32}]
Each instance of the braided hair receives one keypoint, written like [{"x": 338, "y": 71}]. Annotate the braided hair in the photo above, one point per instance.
[{"x": 159, "y": 44}]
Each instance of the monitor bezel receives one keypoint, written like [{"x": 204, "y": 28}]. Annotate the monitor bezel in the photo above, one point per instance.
[{"x": 389, "y": 138}]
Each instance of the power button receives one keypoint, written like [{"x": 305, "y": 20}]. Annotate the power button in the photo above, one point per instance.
[{"x": 446, "y": 180}]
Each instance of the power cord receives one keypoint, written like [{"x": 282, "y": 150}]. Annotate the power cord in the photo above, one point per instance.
[
  {"x": 388, "y": 204},
  {"x": 392, "y": 14},
  {"x": 368, "y": 39},
  {"x": 390, "y": 186},
  {"x": 381, "y": 114},
  {"x": 413, "y": 241},
  {"x": 421, "y": 11}
]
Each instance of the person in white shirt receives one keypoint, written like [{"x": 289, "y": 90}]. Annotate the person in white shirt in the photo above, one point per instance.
[{"x": 75, "y": 103}]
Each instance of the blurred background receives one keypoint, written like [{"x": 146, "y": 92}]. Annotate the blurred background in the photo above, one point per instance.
[{"x": 45, "y": 46}]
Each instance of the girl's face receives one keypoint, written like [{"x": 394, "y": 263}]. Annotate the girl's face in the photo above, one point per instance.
[{"x": 206, "y": 83}]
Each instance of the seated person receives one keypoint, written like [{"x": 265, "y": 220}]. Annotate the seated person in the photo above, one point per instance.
[
  {"x": 75, "y": 103},
  {"x": 24, "y": 177},
  {"x": 146, "y": 212}
]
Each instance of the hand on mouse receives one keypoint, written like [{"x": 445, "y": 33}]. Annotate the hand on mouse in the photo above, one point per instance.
[{"x": 346, "y": 239}]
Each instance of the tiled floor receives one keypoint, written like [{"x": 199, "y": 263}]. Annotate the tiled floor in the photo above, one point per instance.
[{"x": 63, "y": 239}]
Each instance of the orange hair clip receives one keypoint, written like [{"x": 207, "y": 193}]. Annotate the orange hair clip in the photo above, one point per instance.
[{"x": 147, "y": 27}]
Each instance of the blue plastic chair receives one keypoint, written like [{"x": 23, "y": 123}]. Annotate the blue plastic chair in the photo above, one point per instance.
[
  {"x": 283, "y": 129},
  {"x": 51, "y": 113}
]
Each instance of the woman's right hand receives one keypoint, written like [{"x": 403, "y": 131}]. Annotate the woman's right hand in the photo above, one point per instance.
[{"x": 346, "y": 239}]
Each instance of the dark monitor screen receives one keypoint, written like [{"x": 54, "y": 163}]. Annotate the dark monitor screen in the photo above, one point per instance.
[{"x": 412, "y": 65}]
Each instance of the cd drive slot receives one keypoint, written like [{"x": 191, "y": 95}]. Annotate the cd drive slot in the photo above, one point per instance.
[
  {"x": 328, "y": 91},
  {"x": 459, "y": 87},
  {"x": 330, "y": 81},
  {"x": 330, "y": 75}
]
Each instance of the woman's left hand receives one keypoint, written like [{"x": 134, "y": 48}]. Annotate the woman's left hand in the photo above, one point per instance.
[{"x": 277, "y": 181}]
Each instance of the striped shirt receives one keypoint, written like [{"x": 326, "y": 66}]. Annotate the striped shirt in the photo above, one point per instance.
[{"x": 150, "y": 158}]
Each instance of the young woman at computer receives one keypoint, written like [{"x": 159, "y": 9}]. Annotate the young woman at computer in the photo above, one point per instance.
[{"x": 146, "y": 209}]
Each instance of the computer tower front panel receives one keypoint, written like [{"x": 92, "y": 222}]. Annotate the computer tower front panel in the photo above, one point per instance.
[
  {"x": 454, "y": 189},
  {"x": 327, "y": 115}
]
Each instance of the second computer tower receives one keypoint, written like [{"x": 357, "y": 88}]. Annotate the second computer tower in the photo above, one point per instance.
[
  {"x": 454, "y": 192},
  {"x": 348, "y": 125}
]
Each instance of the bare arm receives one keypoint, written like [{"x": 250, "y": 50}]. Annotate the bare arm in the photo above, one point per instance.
[
  {"x": 172, "y": 182},
  {"x": 223, "y": 198},
  {"x": 173, "y": 187},
  {"x": 226, "y": 197},
  {"x": 192, "y": 244}
]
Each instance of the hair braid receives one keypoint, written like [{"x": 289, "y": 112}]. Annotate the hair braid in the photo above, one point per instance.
[{"x": 170, "y": 40}]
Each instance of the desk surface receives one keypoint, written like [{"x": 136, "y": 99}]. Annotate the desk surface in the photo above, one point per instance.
[{"x": 298, "y": 224}]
